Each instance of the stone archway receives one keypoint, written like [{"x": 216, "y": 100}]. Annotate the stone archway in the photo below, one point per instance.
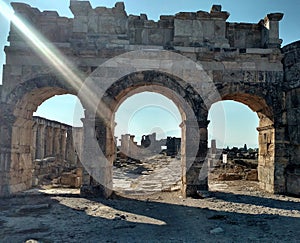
[
  {"x": 17, "y": 129},
  {"x": 265, "y": 100},
  {"x": 234, "y": 63},
  {"x": 193, "y": 152},
  {"x": 193, "y": 127},
  {"x": 266, "y": 134}
]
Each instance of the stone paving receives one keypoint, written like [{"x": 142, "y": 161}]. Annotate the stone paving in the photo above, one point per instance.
[{"x": 160, "y": 173}]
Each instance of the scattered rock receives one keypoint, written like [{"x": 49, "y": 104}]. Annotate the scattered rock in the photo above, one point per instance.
[
  {"x": 120, "y": 217},
  {"x": 80, "y": 208},
  {"x": 32, "y": 241},
  {"x": 217, "y": 230}
]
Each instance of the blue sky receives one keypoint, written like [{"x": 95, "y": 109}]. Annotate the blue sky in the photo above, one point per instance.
[{"x": 240, "y": 122}]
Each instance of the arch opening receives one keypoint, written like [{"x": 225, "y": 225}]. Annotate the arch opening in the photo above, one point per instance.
[
  {"x": 194, "y": 125},
  {"x": 42, "y": 149},
  {"x": 148, "y": 144},
  {"x": 242, "y": 143}
]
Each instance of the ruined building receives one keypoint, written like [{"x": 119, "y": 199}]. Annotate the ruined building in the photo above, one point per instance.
[
  {"x": 105, "y": 55},
  {"x": 149, "y": 146},
  {"x": 53, "y": 150}
]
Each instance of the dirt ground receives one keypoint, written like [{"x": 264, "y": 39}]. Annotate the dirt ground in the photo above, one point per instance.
[{"x": 232, "y": 211}]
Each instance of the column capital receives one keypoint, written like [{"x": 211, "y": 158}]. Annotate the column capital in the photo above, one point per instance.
[{"x": 274, "y": 17}]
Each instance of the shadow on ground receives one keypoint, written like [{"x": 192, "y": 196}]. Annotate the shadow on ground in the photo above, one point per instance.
[{"x": 219, "y": 218}]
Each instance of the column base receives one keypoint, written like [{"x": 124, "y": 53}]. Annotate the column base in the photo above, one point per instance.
[
  {"x": 192, "y": 190},
  {"x": 98, "y": 191}
]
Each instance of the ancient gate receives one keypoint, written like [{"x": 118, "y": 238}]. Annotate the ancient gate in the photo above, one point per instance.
[{"x": 103, "y": 56}]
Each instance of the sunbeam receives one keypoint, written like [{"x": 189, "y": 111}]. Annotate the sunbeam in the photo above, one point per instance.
[{"x": 49, "y": 53}]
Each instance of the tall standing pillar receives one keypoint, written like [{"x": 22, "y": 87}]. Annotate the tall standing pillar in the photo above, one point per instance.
[
  {"x": 63, "y": 144},
  {"x": 70, "y": 148},
  {"x": 6, "y": 127},
  {"x": 49, "y": 141},
  {"x": 97, "y": 157},
  {"x": 194, "y": 147},
  {"x": 56, "y": 141},
  {"x": 40, "y": 145},
  {"x": 34, "y": 141},
  {"x": 271, "y": 31}
]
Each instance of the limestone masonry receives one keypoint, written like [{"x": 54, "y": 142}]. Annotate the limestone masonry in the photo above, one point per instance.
[{"x": 125, "y": 54}]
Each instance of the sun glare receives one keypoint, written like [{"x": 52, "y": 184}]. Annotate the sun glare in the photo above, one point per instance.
[{"x": 49, "y": 53}]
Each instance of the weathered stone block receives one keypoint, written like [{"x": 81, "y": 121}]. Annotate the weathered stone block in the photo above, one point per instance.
[
  {"x": 71, "y": 180},
  {"x": 80, "y": 24},
  {"x": 252, "y": 175},
  {"x": 183, "y": 28}
]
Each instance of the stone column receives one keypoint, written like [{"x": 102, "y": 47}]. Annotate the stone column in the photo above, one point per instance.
[
  {"x": 194, "y": 147},
  {"x": 213, "y": 147},
  {"x": 70, "y": 149},
  {"x": 97, "y": 158},
  {"x": 6, "y": 126},
  {"x": 266, "y": 154},
  {"x": 56, "y": 141},
  {"x": 63, "y": 143},
  {"x": 40, "y": 141},
  {"x": 132, "y": 147},
  {"x": 34, "y": 141},
  {"x": 49, "y": 141},
  {"x": 271, "y": 23},
  {"x": 125, "y": 144}
]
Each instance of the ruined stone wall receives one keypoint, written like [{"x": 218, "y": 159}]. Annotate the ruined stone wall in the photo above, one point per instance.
[
  {"x": 292, "y": 85},
  {"x": 97, "y": 34}
]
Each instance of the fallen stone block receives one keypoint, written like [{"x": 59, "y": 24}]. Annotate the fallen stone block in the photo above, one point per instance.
[
  {"x": 229, "y": 177},
  {"x": 252, "y": 175},
  {"x": 71, "y": 180}
]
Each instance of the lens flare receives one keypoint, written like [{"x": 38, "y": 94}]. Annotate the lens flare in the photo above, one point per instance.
[{"x": 49, "y": 53}]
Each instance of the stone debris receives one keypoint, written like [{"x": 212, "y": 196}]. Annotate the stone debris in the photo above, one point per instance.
[{"x": 217, "y": 230}]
